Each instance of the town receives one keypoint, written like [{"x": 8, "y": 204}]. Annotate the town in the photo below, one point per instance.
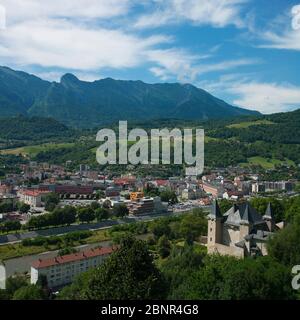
[
  {"x": 149, "y": 157},
  {"x": 51, "y": 200}
]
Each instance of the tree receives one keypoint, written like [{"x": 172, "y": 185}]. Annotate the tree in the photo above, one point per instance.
[
  {"x": 95, "y": 205},
  {"x": 29, "y": 292},
  {"x": 23, "y": 207},
  {"x": 86, "y": 215},
  {"x": 284, "y": 246},
  {"x": 293, "y": 209},
  {"x": 51, "y": 201},
  {"x": 101, "y": 214},
  {"x": 261, "y": 204},
  {"x": 181, "y": 263},
  {"x": 68, "y": 215},
  {"x": 160, "y": 227},
  {"x": 193, "y": 225},
  {"x": 13, "y": 225},
  {"x": 4, "y": 295},
  {"x": 168, "y": 196},
  {"x": 225, "y": 205},
  {"x": 106, "y": 204},
  {"x": 129, "y": 273},
  {"x": 228, "y": 278},
  {"x": 66, "y": 250},
  {"x": 79, "y": 286},
  {"x": 14, "y": 283},
  {"x": 163, "y": 246},
  {"x": 6, "y": 206},
  {"x": 120, "y": 210}
]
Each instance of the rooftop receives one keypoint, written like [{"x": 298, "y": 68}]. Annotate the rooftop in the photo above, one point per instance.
[{"x": 44, "y": 263}]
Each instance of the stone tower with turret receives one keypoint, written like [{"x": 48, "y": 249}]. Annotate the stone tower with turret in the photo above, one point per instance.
[
  {"x": 269, "y": 218},
  {"x": 214, "y": 234}
]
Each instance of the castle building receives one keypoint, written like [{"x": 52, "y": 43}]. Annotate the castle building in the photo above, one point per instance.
[{"x": 240, "y": 232}]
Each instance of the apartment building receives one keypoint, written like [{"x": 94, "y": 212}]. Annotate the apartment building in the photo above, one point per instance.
[
  {"x": 272, "y": 186},
  {"x": 31, "y": 197},
  {"x": 62, "y": 270},
  {"x": 147, "y": 205}
]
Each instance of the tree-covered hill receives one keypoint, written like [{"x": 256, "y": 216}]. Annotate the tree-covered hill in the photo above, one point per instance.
[
  {"x": 265, "y": 142},
  {"x": 88, "y": 104},
  {"x": 36, "y": 129}
]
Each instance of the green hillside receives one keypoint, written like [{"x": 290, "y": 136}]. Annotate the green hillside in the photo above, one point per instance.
[{"x": 89, "y": 104}]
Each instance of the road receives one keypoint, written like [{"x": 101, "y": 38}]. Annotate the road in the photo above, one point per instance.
[
  {"x": 22, "y": 265},
  {"x": 17, "y": 237}
]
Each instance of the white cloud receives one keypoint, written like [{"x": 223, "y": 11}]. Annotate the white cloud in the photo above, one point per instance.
[
  {"x": 266, "y": 97},
  {"x": 218, "y": 13},
  {"x": 174, "y": 62},
  {"x": 284, "y": 32},
  {"x": 19, "y": 10},
  {"x": 58, "y": 35},
  {"x": 59, "y": 43},
  {"x": 256, "y": 95},
  {"x": 187, "y": 67},
  {"x": 289, "y": 40}
]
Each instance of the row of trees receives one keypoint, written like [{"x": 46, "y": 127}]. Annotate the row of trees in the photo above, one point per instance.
[
  {"x": 69, "y": 215},
  {"x": 165, "y": 195},
  {"x": 18, "y": 288},
  {"x": 12, "y": 225}
]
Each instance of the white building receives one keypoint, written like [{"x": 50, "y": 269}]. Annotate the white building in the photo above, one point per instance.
[
  {"x": 62, "y": 270},
  {"x": 2, "y": 276},
  {"x": 31, "y": 197}
]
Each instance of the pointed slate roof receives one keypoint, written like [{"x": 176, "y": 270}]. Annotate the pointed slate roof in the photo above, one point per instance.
[
  {"x": 232, "y": 210},
  {"x": 249, "y": 215},
  {"x": 269, "y": 212},
  {"x": 243, "y": 214},
  {"x": 215, "y": 211}
]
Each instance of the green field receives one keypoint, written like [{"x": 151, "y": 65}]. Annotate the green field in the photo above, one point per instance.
[
  {"x": 34, "y": 150},
  {"x": 243, "y": 125},
  {"x": 267, "y": 163},
  {"x": 9, "y": 251}
]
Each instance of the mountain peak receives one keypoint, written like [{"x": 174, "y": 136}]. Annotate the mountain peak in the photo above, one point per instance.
[
  {"x": 105, "y": 101},
  {"x": 69, "y": 78}
]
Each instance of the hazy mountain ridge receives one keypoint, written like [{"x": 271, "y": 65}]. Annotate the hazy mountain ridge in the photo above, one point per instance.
[{"x": 87, "y": 104}]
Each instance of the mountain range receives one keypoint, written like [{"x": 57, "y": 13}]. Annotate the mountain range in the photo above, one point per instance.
[{"x": 88, "y": 104}]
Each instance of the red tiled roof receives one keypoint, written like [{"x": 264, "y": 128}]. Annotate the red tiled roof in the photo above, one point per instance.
[
  {"x": 31, "y": 193},
  {"x": 44, "y": 263},
  {"x": 162, "y": 182},
  {"x": 122, "y": 181}
]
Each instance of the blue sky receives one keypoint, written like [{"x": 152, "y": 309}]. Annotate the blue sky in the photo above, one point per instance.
[{"x": 246, "y": 52}]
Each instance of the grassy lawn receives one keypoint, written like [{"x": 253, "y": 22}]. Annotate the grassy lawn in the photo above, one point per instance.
[
  {"x": 266, "y": 163},
  {"x": 10, "y": 251},
  {"x": 33, "y": 150},
  {"x": 209, "y": 139},
  {"x": 248, "y": 124}
]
